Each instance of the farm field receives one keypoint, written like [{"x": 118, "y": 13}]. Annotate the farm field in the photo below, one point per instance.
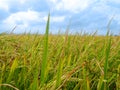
[
  {"x": 59, "y": 62},
  {"x": 71, "y": 62}
]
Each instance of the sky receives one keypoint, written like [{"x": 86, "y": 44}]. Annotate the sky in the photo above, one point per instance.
[{"x": 78, "y": 15}]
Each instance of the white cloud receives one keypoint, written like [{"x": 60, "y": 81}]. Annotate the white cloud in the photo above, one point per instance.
[
  {"x": 72, "y": 5},
  {"x": 106, "y": 10},
  {"x": 53, "y": 1},
  {"x": 55, "y": 18},
  {"x": 28, "y": 18},
  {"x": 24, "y": 17},
  {"x": 58, "y": 19},
  {"x": 22, "y": 1},
  {"x": 112, "y": 1},
  {"x": 4, "y": 5}
]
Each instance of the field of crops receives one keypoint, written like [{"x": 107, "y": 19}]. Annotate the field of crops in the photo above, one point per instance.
[{"x": 59, "y": 62}]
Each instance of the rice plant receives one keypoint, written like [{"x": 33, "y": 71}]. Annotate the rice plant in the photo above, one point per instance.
[{"x": 59, "y": 62}]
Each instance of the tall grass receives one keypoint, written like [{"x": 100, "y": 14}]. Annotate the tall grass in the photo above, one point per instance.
[
  {"x": 59, "y": 62},
  {"x": 45, "y": 55}
]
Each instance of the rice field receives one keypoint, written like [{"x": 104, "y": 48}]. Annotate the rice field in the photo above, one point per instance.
[{"x": 59, "y": 62}]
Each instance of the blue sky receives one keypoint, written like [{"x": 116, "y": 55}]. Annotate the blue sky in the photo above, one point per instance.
[{"x": 81, "y": 15}]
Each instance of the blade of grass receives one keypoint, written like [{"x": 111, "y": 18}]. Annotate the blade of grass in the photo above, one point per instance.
[
  {"x": 8, "y": 85},
  {"x": 84, "y": 78},
  {"x": 106, "y": 62},
  {"x": 100, "y": 83},
  {"x": 45, "y": 54},
  {"x": 106, "y": 59},
  {"x": 61, "y": 61},
  {"x": 12, "y": 69},
  {"x": 88, "y": 84},
  {"x": 118, "y": 79},
  {"x": 34, "y": 85}
]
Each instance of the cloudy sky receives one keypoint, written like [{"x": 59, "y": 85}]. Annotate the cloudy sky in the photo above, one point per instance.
[{"x": 79, "y": 15}]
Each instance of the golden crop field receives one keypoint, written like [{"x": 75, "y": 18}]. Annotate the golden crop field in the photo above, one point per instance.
[{"x": 59, "y": 62}]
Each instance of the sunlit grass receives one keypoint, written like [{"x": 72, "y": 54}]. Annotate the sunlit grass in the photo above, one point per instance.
[{"x": 54, "y": 62}]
